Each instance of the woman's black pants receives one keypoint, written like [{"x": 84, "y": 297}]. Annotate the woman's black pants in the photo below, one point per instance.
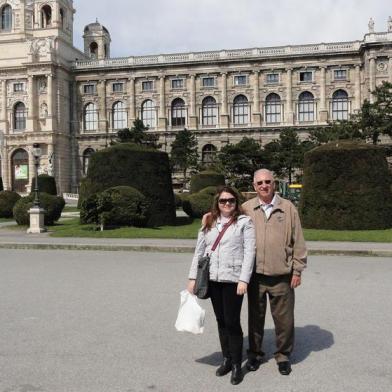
[{"x": 227, "y": 307}]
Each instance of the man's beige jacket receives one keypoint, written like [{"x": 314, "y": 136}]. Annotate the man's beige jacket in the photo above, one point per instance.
[{"x": 280, "y": 244}]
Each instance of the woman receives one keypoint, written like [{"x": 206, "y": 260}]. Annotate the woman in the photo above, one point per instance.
[{"x": 231, "y": 266}]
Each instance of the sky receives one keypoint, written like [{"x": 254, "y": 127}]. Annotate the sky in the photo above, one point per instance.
[{"x": 172, "y": 26}]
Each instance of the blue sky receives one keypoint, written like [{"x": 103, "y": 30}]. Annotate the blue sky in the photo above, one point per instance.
[{"x": 163, "y": 26}]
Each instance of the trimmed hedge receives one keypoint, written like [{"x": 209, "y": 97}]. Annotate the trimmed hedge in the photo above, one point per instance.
[
  {"x": 142, "y": 168},
  {"x": 117, "y": 206},
  {"x": 346, "y": 186},
  {"x": 204, "y": 179},
  {"x": 46, "y": 184},
  {"x": 53, "y": 206},
  {"x": 8, "y": 200}
]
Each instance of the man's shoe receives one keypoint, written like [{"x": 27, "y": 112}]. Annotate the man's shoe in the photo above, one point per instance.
[
  {"x": 253, "y": 364},
  {"x": 224, "y": 368},
  {"x": 284, "y": 368},
  {"x": 236, "y": 374}
]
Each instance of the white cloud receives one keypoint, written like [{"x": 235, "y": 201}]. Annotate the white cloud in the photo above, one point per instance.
[{"x": 163, "y": 26}]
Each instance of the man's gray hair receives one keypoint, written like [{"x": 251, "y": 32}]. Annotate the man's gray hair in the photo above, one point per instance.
[{"x": 266, "y": 171}]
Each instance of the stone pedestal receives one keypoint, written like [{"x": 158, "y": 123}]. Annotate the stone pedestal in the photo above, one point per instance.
[{"x": 36, "y": 221}]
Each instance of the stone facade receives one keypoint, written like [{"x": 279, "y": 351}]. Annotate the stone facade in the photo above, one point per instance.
[{"x": 72, "y": 103}]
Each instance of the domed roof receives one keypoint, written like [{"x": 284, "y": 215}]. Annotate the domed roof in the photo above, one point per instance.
[{"x": 95, "y": 27}]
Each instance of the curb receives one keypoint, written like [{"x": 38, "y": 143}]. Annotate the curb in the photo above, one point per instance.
[{"x": 179, "y": 249}]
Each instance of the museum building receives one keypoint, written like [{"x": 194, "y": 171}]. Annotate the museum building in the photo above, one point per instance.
[{"x": 72, "y": 103}]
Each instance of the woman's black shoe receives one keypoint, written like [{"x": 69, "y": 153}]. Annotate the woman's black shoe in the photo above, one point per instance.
[
  {"x": 236, "y": 374},
  {"x": 224, "y": 368}
]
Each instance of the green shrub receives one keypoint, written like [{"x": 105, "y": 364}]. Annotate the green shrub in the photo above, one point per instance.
[
  {"x": 53, "y": 206},
  {"x": 197, "y": 204},
  {"x": 7, "y": 201},
  {"x": 346, "y": 186},
  {"x": 46, "y": 184},
  {"x": 178, "y": 200},
  {"x": 144, "y": 169},
  {"x": 89, "y": 210},
  {"x": 205, "y": 179}
]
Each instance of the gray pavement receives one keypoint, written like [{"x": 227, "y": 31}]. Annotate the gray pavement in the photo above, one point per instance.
[{"x": 104, "y": 322}]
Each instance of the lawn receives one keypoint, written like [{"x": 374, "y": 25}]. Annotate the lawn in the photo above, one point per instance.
[{"x": 185, "y": 229}]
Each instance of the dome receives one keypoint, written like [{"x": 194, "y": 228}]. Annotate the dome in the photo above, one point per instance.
[{"x": 95, "y": 27}]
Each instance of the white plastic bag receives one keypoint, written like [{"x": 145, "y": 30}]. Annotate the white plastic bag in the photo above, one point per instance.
[{"x": 190, "y": 315}]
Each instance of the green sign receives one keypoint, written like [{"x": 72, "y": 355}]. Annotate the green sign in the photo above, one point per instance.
[{"x": 21, "y": 172}]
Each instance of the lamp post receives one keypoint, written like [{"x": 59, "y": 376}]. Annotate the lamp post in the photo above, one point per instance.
[{"x": 36, "y": 212}]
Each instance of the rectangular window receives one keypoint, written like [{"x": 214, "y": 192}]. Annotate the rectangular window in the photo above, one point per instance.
[
  {"x": 306, "y": 76},
  {"x": 177, "y": 83},
  {"x": 272, "y": 78},
  {"x": 208, "y": 82},
  {"x": 340, "y": 74},
  {"x": 18, "y": 87},
  {"x": 240, "y": 80},
  {"x": 118, "y": 87},
  {"x": 147, "y": 85},
  {"x": 89, "y": 88}
]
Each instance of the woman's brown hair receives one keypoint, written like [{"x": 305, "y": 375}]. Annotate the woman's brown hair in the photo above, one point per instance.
[{"x": 215, "y": 212}]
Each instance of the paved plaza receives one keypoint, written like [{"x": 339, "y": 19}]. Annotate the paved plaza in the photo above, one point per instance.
[{"x": 73, "y": 321}]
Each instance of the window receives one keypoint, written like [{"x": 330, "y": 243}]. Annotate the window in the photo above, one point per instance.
[
  {"x": 6, "y": 18},
  {"x": 240, "y": 110},
  {"x": 209, "y": 111},
  {"x": 118, "y": 87},
  {"x": 46, "y": 16},
  {"x": 178, "y": 113},
  {"x": 89, "y": 89},
  {"x": 20, "y": 114},
  {"x": 148, "y": 114},
  {"x": 240, "y": 80},
  {"x": 272, "y": 78},
  {"x": 94, "y": 50},
  {"x": 306, "y": 76},
  {"x": 147, "y": 85},
  {"x": 90, "y": 117},
  {"x": 208, "y": 82},
  {"x": 208, "y": 153},
  {"x": 18, "y": 87},
  {"x": 340, "y": 105},
  {"x": 340, "y": 74},
  {"x": 119, "y": 115},
  {"x": 62, "y": 18},
  {"x": 177, "y": 83},
  {"x": 273, "y": 109},
  {"x": 306, "y": 107},
  {"x": 86, "y": 159}
]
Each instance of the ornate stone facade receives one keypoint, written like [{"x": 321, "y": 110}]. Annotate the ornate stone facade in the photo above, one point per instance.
[{"x": 73, "y": 102}]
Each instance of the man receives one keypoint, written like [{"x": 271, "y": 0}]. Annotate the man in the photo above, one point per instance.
[{"x": 280, "y": 259}]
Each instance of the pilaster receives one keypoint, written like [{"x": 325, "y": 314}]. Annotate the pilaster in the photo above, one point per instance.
[
  {"x": 192, "y": 115},
  {"x": 323, "y": 112},
  {"x": 357, "y": 89},
  {"x": 162, "y": 120},
  {"x": 372, "y": 77},
  {"x": 390, "y": 69},
  {"x": 102, "y": 118},
  {"x": 289, "y": 114},
  {"x": 224, "y": 118},
  {"x": 31, "y": 120},
  {"x": 132, "y": 108},
  {"x": 256, "y": 114}
]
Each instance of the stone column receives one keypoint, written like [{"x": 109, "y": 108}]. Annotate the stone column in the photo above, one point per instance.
[
  {"x": 372, "y": 77},
  {"x": 4, "y": 114},
  {"x": 289, "y": 113},
  {"x": 357, "y": 89},
  {"x": 51, "y": 160},
  {"x": 224, "y": 117},
  {"x": 49, "y": 94},
  {"x": 192, "y": 115},
  {"x": 323, "y": 112},
  {"x": 256, "y": 115},
  {"x": 30, "y": 126},
  {"x": 162, "y": 120},
  {"x": 6, "y": 167},
  {"x": 31, "y": 167},
  {"x": 132, "y": 108},
  {"x": 102, "y": 117}
]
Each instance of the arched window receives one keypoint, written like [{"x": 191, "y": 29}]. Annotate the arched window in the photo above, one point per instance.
[
  {"x": 20, "y": 170},
  {"x": 6, "y": 18},
  {"x": 340, "y": 105},
  {"x": 62, "y": 18},
  {"x": 305, "y": 107},
  {"x": 93, "y": 50},
  {"x": 90, "y": 117},
  {"x": 273, "y": 109},
  {"x": 119, "y": 115},
  {"x": 148, "y": 114},
  {"x": 209, "y": 111},
  {"x": 178, "y": 113},
  {"x": 46, "y": 16},
  {"x": 20, "y": 115},
  {"x": 208, "y": 153},
  {"x": 240, "y": 110},
  {"x": 86, "y": 159}
]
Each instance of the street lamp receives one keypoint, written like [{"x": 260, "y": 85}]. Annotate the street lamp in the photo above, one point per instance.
[{"x": 37, "y": 155}]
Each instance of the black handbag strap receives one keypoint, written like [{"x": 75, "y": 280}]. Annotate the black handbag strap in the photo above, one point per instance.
[{"x": 225, "y": 227}]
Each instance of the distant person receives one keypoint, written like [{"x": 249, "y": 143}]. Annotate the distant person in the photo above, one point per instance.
[
  {"x": 280, "y": 259},
  {"x": 231, "y": 266}
]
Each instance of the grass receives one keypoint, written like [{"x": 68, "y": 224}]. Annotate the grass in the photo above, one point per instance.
[
  {"x": 70, "y": 209},
  {"x": 349, "y": 235},
  {"x": 6, "y": 220}
]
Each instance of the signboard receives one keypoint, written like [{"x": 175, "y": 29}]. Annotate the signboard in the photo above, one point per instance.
[{"x": 21, "y": 172}]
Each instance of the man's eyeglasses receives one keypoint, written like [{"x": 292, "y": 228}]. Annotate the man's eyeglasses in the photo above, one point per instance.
[
  {"x": 224, "y": 201},
  {"x": 261, "y": 182}
]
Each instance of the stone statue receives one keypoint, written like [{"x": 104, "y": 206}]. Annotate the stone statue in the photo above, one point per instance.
[
  {"x": 44, "y": 110},
  {"x": 390, "y": 24},
  {"x": 371, "y": 25}
]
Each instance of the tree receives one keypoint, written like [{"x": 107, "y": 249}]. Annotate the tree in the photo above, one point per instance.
[
  {"x": 184, "y": 153},
  {"x": 138, "y": 135},
  {"x": 339, "y": 130},
  {"x": 239, "y": 161}
]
